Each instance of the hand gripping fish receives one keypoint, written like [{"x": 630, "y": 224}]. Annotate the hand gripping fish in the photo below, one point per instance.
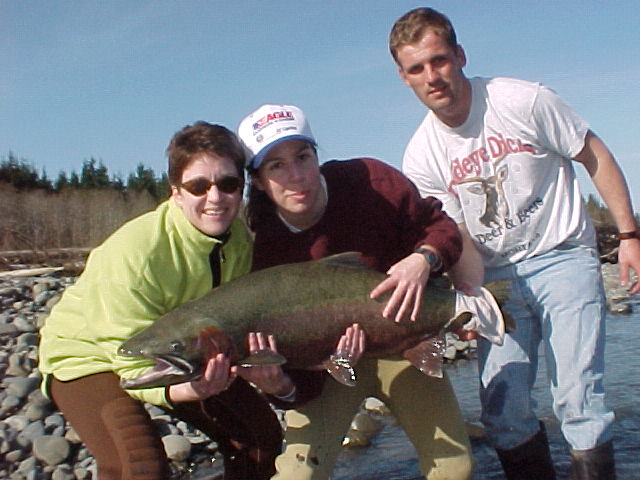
[{"x": 307, "y": 306}]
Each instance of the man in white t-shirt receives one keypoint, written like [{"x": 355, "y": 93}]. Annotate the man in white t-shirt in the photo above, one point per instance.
[{"x": 498, "y": 153}]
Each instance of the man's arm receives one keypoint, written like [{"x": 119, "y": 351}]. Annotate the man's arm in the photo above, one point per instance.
[
  {"x": 610, "y": 183},
  {"x": 469, "y": 271}
]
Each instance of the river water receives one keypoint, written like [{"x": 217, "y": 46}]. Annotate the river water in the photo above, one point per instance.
[{"x": 391, "y": 455}]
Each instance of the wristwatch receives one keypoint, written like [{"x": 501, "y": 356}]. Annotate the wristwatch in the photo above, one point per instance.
[
  {"x": 431, "y": 257},
  {"x": 628, "y": 235}
]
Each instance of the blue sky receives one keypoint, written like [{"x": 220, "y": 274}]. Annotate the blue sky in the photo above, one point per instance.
[{"x": 114, "y": 80}]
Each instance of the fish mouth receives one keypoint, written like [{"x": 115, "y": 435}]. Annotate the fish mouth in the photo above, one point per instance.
[{"x": 168, "y": 370}]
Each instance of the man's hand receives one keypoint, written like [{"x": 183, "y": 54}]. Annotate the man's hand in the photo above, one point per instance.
[
  {"x": 629, "y": 259},
  {"x": 408, "y": 278}
]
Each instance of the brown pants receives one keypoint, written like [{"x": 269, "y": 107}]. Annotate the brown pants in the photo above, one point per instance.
[{"x": 120, "y": 434}]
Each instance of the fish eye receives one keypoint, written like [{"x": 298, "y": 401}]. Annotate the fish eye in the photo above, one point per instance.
[{"x": 176, "y": 347}]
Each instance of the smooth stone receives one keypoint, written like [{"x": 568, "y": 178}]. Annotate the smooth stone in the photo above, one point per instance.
[
  {"x": 8, "y": 329},
  {"x": 72, "y": 436},
  {"x": 365, "y": 424},
  {"x": 375, "y": 405},
  {"x": 51, "y": 450},
  {"x": 28, "y": 339},
  {"x": 63, "y": 472},
  {"x": 354, "y": 438},
  {"x": 53, "y": 421},
  {"x": 35, "y": 412},
  {"x": 23, "y": 325},
  {"x": 16, "y": 366},
  {"x": 450, "y": 352},
  {"x": 14, "y": 456},
  {"x": 39, "y": 288},
  {"x": 17, "y": 422},
  {"x": 10, "y": 402},
  {"x": 36, "y": 397},
  {"x": 27, "y": 465},
  {"x": 176, "y": 447},
  {"x": 32, "y": 432},
  {"x": 21, "y": 386}
]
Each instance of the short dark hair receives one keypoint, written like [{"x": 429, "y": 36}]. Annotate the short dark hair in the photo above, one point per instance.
[
  {"x": 202, "y": 137},
  {"x": 413, "y": 25}
]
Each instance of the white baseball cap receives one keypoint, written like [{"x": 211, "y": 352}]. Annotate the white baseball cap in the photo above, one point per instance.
[{"x": 270, "y": 125}]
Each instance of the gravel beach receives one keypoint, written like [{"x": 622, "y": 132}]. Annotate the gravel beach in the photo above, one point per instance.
[{"x": 37, "y": 443}]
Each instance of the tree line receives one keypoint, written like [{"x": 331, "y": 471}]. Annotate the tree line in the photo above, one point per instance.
[
  {"x": 22, "y": 175},
  {"x": 82, "y": 209},
  {"x": 74, "y": 210}
]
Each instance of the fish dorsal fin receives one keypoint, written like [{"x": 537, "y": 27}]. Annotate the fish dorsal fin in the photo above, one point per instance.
[{"x": 346, "y": 259}]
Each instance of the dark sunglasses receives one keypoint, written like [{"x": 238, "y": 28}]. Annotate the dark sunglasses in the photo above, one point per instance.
[{"x": 200, "y": 186}]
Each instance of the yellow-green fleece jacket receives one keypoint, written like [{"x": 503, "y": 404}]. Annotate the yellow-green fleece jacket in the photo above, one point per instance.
[{"x": 149, "y": 266}]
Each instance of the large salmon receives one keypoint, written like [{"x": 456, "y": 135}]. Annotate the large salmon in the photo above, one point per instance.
[{"x": 307, "y": 306}]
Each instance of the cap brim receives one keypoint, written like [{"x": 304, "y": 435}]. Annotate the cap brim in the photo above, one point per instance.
[{"x": 259, "y": 158}]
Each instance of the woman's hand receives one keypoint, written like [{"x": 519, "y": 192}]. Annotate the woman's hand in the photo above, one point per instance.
[
  {"x": 408, "y": 279},
  {"x": 351, "y": 344},
  {"x": 217, "y": 377},
  {"x": 269, "y": 379}
]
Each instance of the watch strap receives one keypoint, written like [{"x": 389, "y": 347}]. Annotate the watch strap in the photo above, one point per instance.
[
  {"x": 628, "y": 235},
  {"x": 432, "y": 258}
]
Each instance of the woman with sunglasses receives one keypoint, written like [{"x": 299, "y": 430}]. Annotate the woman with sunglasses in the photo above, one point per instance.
[
  {"x": 187, "y": 245},
  {"x": 302, "y": 211}
]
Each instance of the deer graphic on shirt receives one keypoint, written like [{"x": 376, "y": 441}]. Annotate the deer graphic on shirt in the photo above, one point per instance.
[{"x": 496, "y": 208}]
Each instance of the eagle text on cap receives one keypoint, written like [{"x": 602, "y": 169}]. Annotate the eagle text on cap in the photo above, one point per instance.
[{"x": 270, "y": 118}]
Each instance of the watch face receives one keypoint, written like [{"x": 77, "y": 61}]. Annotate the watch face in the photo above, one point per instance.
[
  {"x": 432, "y": 258},
  {"x": 434, "y": 261}
]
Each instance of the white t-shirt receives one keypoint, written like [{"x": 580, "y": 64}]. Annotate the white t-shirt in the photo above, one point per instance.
[{"x": 507, "y": 171}]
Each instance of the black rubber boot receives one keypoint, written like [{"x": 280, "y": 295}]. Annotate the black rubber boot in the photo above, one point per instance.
[
  {"x": 529, "y": 461},
  {"x": 594, "y": 464}
]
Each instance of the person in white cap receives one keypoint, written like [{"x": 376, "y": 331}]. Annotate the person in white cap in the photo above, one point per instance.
[{"x": 300, "y": 210}]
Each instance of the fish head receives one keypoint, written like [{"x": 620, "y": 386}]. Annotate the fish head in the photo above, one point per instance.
[{"x": 178, "y": 357}]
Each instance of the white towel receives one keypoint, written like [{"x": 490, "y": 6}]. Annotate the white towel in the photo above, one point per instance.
[{"x": 487, "y": 318}]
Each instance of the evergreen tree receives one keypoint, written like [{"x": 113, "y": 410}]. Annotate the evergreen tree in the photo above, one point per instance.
[
  {"x": 143, "y": 179},
  {"x": 93, "y": 176},
  {"x": 162, "y": 188},
  {"x": 117, "y": 183},
  {"x": 44, "y": 182},
  {"x": 61, "y": 182},
  {"x": 74, "y": 179},
  {"x": 18, "y": 172}
]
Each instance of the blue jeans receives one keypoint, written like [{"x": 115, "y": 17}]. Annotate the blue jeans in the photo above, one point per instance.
[{"x": 557, "y": 298}]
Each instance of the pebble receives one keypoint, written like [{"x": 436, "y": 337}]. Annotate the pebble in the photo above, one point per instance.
[
  {"x": 37, "y": 443},
  {"x": 178, "y": 448},
  {"x": 51, "y": 450}
]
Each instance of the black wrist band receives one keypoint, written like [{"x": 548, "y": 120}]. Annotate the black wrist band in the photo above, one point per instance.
[{"x": 431, "y": 257}]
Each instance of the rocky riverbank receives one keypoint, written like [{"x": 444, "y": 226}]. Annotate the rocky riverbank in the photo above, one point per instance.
[{"x": 37, "y": 443}]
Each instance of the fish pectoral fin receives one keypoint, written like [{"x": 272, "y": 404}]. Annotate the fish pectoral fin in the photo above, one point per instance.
[
  {"x": 263, "y": 358},
  {"x": 427, "y": 355},
  {"x": 339, "y": 367}
]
